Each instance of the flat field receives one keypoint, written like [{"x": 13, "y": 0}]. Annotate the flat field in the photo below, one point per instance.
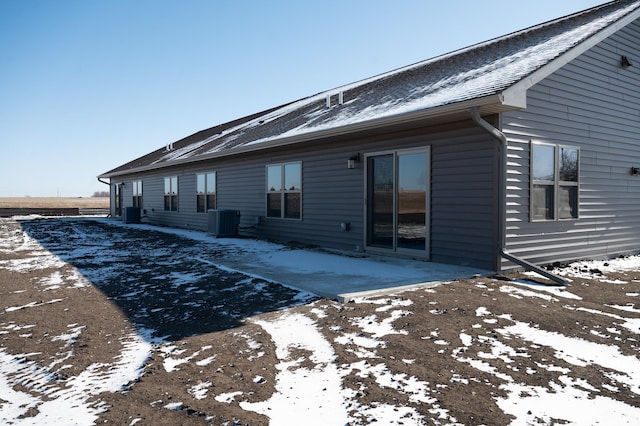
[{"x": 54, "y": 202}]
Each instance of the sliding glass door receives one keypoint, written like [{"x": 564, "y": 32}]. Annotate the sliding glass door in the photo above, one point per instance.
[
  {"x": 397, "y": 202},
  {"x": 380, "y": 201}
]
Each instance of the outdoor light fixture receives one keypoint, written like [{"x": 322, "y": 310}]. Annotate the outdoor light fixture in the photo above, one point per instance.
[
  {"x": 351, "y": 162},
  {"x": 625, "y": 62},
  {"x": 635, "y": 171}
]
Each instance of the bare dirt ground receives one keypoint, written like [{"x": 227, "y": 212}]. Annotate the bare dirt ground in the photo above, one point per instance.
[{"x": 456, "y": 342}]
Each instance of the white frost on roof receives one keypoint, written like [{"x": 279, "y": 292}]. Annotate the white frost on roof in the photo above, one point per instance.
[
  {"x": 477, "y": 80},
  {"x": 184, "y": 151},
  {"x": 472, "y": 83}
]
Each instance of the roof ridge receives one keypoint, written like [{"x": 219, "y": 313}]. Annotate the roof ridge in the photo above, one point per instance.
[
  {"x": 478, "y": 45},
  {"x": 491, "y": 69}
]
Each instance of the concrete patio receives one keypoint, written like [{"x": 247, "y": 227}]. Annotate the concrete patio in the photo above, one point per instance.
[
  {"x": 343, "y": 277},
  {"x": 336, "y": 275}
]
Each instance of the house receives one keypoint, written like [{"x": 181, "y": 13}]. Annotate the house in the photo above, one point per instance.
[{"x": 517, "y": 151}]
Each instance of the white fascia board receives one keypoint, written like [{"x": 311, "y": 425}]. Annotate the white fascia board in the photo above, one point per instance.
[
  {"x": 495, "y": 101},
  {"x": 516, "y": 94}
]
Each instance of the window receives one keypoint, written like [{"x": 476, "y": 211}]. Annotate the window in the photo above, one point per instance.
[
  {"x": 554, "y": 182},
  {"x": 171, "y": 193},
  {"x": 205, "y": 191},
  {"x": 117, "y": 189},
  {"x": 284, "y": 190},
  {"x": 137, "y": 193}
]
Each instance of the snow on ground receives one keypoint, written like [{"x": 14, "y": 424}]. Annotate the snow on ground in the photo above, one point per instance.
[
  {"x": 57, "y": 404},
  {"x": 313, "y": 387},
  {"x": 302, "y": 392},
  {"x": 570, "y": 400}
]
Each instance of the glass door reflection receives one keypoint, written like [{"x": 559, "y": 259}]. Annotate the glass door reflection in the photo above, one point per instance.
[
  {"x": 380, "y": 196},
  {"x": 412, "y": 201},
  {"x": 397, "y": 197}
]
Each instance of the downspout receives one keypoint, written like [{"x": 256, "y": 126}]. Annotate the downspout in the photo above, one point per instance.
[
  {"x": 109, "y": 184},
  {"x": 502, "y": 197}
]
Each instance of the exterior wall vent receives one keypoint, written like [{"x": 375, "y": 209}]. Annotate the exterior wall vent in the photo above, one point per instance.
[
  {"x": 223, "y": 223},
  {"x": 340, "y": 98}
]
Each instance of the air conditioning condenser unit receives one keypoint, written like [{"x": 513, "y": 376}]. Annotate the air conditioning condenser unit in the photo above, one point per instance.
[{"x": 223, "y": 223}]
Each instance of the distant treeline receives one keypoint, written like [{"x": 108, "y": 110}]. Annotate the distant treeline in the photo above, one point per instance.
[{"x": 101, "y": 194}]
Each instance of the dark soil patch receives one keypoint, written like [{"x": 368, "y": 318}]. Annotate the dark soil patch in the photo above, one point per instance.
[{"x": 166, "y": 288}]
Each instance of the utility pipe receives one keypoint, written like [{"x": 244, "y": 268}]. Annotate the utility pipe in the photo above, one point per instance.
[
  {"x": 108, "y": 184},
  {"x": 502, "y": 197}
]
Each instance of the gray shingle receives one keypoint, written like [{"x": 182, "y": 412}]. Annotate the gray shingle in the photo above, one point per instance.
[{"x": 474, "y": 72}]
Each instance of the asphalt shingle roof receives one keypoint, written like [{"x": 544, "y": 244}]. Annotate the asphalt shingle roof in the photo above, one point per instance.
[{"x": 475, "y": 72}]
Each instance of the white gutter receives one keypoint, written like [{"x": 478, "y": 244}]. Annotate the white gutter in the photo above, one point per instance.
[{"x": 502, "y": 199}]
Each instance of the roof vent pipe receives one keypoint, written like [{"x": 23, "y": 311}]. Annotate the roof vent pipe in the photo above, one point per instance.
[{"x": 502, "y": 215}]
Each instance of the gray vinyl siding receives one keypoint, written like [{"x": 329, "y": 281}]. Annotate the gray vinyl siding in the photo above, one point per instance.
[
  {"x": 463, "y": 214},
  {"x": 464, "y": 192},
  {"x": 331, "y": 195},
  {"x": 592, "y": 103},
  {"x": 329, "y": 189}
]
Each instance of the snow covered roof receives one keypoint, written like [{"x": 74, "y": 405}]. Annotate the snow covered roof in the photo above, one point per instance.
[{"x": 494, "y": 74}]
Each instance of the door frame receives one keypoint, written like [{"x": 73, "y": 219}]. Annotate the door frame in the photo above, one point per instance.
[
  {"x": 118, "y": 199},
  {"x": 395, "y": 251}
]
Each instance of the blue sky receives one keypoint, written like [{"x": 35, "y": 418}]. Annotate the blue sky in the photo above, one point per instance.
[{"x": 87, "y": 85}]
